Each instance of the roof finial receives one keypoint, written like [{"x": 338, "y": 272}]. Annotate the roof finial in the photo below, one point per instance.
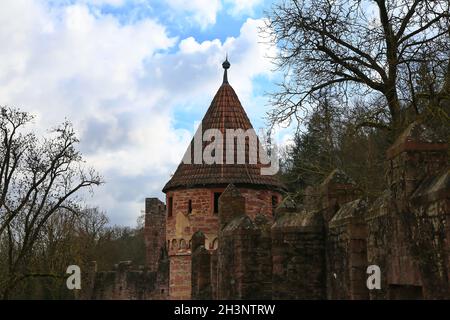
[{"x": 226, "y": 65}]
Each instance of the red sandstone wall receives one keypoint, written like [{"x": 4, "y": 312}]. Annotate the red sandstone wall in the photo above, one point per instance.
[
  {"x": 180, "y": 277},
  {"x": 298, "y": 257},
  {"x": 182, "y": 225},
  {"x": 154, "y": 232},
  {"x": 347, "y": 261}
]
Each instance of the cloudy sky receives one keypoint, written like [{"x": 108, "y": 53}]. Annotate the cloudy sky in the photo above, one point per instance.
[{"x": 133, "y": 76}]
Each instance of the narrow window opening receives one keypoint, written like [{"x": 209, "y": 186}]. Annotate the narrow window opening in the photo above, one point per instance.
[
  {"x": 190, "y": 206},
  {"x": 274, "y": 203},
  {"x": 170, "y": 206},
  {"x": 216, "y": 202}
]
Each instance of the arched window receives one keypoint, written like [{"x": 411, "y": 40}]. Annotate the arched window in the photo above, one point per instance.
[
  {"x": 183, "y": 244},
  {"x": 174, "y": 244}
]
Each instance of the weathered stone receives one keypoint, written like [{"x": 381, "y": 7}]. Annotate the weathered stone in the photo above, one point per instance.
[{"x": 316, "y": 251}]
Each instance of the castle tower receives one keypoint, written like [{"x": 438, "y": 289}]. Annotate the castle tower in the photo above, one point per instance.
[
  {"x": 192, "y": 194},
  {"x": 154, "y": 232}
]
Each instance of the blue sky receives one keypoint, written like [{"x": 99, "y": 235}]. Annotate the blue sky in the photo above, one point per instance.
[{"x": 133, "y": 76}]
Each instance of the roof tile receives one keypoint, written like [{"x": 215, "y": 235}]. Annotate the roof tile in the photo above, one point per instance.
[{"x": 225, "y": 112}]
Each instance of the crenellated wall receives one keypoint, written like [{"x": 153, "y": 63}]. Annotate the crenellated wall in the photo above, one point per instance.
[
  {"x": 244, "y": 251},
  {"x": 125, "y": 282},
  {"x": 318, "y": 250},
  {"x": 298, "y": 256},
  {"x": 322, "y": 249},
  {"x": 347, "y": 252},
  {"x": 129, "y": 282}
]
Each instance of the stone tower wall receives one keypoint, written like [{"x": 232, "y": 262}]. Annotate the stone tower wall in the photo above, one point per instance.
[
  {"x": 154, "y": 232},
  {"x": 181, "y": 225}
]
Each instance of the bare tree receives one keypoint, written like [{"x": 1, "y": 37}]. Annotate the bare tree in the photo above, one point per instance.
[
  {"x": 39, "y": 178},
  {"x": 366, "y": 49},
  {"x": 91, "y": 222}
]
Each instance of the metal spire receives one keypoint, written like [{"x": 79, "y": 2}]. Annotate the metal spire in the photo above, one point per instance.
[{"x": 226, "y": 65}]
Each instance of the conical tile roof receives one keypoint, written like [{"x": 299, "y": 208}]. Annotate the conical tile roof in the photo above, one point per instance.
[{"x": 225, "y": 112}]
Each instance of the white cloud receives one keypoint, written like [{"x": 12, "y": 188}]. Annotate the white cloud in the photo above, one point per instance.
[
  {"x": 239, "y": 7},
  {"x": 120, "y": 87},
  {"x": 115, "y": 3},
  {"x": 203, "y": 12},
  {"x": 196, "y": 62},
  {"x": 66, "y": 62}
]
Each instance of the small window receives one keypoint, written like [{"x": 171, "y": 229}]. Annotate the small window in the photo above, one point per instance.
[
  {"x": 190, "y": 206},
  {"x": 216, "y": 202},
  {"x": 274, "y": 203},
  {"x": 170, "y": 206}
]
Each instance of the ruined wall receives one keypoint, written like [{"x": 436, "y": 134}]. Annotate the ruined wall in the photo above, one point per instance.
[
  {"x": 337, "y": 189},
  {"x": 347, "y": 253},
  {"x": 155, "y": 246},
  {"x": 379, "y": 241},
  {"x": 235, "y": 254},
  {"x": 263, "y": 267},
  {"x": 429, "y": 231},
  {"x": 201, "y": 268},
  {"x": 214, "y": 273},
  {"x": 180, "y": 276},
  {"x": 298, "y": 256},
  {"x": 125, "y": 283},
  {"x": 154, "y": 232},
  {"x": 128, "y": 282},
  {"x": 244, "y": 252},
  {"x": 417, "y": 233},
  {"x": 321, "y": 250}
]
